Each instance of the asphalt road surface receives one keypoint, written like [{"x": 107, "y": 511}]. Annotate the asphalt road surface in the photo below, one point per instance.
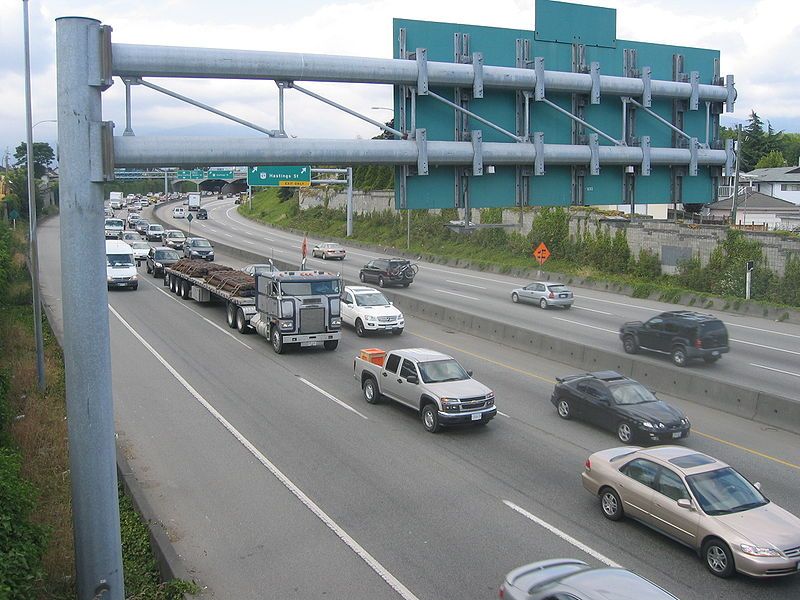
[
  {"x": 275, "y": 479},
  {"x": 765, "y": 355}
]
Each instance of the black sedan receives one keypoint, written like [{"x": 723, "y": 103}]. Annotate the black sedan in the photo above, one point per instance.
[
  {"x": 619, "y": 404},
  {"x": 159, "y": 258}
]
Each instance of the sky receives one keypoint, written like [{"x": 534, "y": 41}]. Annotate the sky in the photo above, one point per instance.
[{"x": 759, "y": 41}]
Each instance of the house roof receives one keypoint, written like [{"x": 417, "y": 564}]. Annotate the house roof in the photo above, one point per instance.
[
  {"x": 754, "y": 200},
  {"x": 778, "y": 174}
]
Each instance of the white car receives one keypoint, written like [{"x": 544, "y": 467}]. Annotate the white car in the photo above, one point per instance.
[
  {"x": 367, "y": 309},
  {"x": 178, "y": 212},
  {"x": 140, "y": 250}
]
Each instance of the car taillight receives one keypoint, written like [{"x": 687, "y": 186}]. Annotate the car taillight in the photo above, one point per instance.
[
  {"x": 551, "y": 295},
  {"x": 698, "y": 343},
  {"x": 588, "y": 465},
  {"x": 501, "y": 593}
]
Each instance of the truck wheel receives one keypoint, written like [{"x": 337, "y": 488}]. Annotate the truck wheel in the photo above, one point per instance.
[
  {"x": 230, "y": 315},
  {"x": 173, "y": 285},
  {"x": 330, "y": 344},
  {"x": 430, "y": 418},
  {"x": 277, "y": 340},
  {"x": 186, "y": 289},
  {"x": 241, "y": 322},
  {"x": 360, "y": 328},
  {"x": 370, "y": 389}
]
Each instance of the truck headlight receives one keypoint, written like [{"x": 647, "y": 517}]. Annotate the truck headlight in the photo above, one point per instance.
[
  {"x": 336, "y": 322},
  {"x": 758, "y": 551},
  {"x": 286, "y": 324},
  {"x": 134, "y": 277},
  {"x": 109, "y": 279},
  {"x": 158, "y": 265}
]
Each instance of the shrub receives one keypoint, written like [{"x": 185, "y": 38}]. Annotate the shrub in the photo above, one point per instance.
[{"x": 648, "y": 266}]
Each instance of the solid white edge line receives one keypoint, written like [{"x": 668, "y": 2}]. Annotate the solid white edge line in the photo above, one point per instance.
[
  {"x": 774, "y": 369},
  {"x": 228, "y": 333},
  {"x": 564, "y": 536},
  {"x": 502, "y": 414},
  {"x": 332, "y": 397},
  {"x": 765, "y": 347},
  {"x": 371, "y": 561}
]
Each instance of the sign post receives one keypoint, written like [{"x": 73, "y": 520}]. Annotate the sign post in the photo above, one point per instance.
[
  {"x": 541, "y": 254},
  {"x": 285, "y": 176},
  {"x": 13, "y": 215}
]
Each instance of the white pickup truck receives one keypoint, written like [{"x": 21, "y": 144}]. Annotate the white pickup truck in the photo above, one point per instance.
[{"x": 432, "y": 383}]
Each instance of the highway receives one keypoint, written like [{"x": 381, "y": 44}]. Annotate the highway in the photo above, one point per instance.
[
  {"x": 764, "y": 354},
  {"x": 275, "y": 479}
]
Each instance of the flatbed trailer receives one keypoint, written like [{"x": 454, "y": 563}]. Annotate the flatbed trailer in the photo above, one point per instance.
[{"x": 239, "y": 309}]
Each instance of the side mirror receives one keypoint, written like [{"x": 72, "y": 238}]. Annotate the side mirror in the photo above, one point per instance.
[
  {"x": 469, "y": 372},
  {"x": 412, "y": 379},
  {"x": 391, "y": 303},
  {"x": 757, "y": 485},
  {"x": 685, "y": 503}
]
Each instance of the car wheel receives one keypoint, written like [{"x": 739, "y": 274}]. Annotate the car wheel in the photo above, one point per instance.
[
  {"x": 330, "y": 345},
  {"x": 370, "y": 389},
  {"x": 430, "y": 418},
  {"x": 711, "y": 359},
  {"x": 135, "y": 286},
  {"x": 360, "y": 332},
  {"x": 564, "y": 409},
  {"x": 407, "y": 284},
  {"x": 718, "y": 558},
  {"x": 325, "y": 256},
  {"x": 361, "y": 277},
  {"x": 679, "y": 356},
  {"x": 241, "y": 322},
  {"x": 543, "y": 304},
  {"x": 381, "y": 282},
  {"x": 629, "y": 344},
  {"x": 277, "y": 341},
  {"x": 515, "y": 297},
  {"x": 397, "y": 331},
  {"x": 624, "y": 432},
  {"x": 610, "y": 504},
  {"x": 230, "y": 315}
]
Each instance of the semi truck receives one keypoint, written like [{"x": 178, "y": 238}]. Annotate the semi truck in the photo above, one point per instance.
[
  {"x": 289, "y": 308},
  {"x": 194, "y": 200}
]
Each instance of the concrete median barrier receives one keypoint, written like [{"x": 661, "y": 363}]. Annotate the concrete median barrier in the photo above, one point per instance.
[{"x": 778, "y": 411}]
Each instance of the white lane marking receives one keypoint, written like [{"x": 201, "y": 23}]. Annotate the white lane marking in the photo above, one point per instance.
[
  {"x": 228, "y": 234},
  {"x": 212, "y": 229},
  {"x": 774, "y": 369},
  {"x": 459, "y": 295},
  {"x": 615, "y": 302},
  {"x": 564, "y": 536},
  {"x": 332, "y": 397},
  {"x": 268, "y": 239},
  {"x": 480, "y": 287},
  {"x": 460, "y": 274},
  {"x": 763, "y": 330},
  {"x": 502, "y": 414},
  {"x": 585, "y": 325},
  {"x": 228, "y": 333},
  {"x": 249, "y": 242},
  {"x": 602, "y": 312},
  {"x": 370, "y": 560},
  {"x": 766, "y": 347}
]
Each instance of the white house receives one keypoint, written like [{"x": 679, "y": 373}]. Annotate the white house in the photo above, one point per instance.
[
  {"x": 756, "y": 208},
  {"x": 780, "y": 182}
]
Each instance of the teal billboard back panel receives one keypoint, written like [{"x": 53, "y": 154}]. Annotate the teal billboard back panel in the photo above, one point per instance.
[{"x": 559, "y": 28}]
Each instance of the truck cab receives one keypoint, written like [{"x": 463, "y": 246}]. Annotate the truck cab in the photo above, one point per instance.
[{"x": 298, "y": 308}]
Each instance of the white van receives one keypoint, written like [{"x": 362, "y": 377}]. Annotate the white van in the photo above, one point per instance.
[
  {"x": 120, "y": 265},
  {"x": 178, "y": 212}
]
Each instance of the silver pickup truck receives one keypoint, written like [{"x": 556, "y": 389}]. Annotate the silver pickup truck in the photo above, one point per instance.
[{"x": 432, "y": 383}]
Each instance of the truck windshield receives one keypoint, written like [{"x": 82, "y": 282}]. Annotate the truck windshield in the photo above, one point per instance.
[
  {"x": 310, "y": 288},
  {"x": 437, "y": 371},
  {"x": 119, "y": 260}
]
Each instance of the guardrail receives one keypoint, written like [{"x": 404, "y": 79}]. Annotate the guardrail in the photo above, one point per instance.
[{"x": 761, "y": 407}]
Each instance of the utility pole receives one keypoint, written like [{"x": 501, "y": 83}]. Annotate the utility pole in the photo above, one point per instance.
[{"x": 736, "y": 174}]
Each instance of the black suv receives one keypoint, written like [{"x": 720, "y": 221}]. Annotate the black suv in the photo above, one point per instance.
[
  {"x": 388, "y": 271},
  {"x": 682, "y": 334}
]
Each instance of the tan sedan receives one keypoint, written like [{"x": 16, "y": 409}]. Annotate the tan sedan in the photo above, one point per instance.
[{"x": 698, "y": 501}]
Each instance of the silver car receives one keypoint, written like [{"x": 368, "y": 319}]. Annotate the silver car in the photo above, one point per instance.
[
  {"x": 545, "y": 294},
  {"x": 574, "y": 579}
]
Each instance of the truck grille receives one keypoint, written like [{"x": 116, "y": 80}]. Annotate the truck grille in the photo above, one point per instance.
[
  {"x": 312, "y": 320},
  {"x": 469, "y": 404}
]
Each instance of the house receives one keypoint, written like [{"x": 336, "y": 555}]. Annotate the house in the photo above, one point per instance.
[
  {"x": 780, "y": 182},
  {"x": 756, "y": 208}
]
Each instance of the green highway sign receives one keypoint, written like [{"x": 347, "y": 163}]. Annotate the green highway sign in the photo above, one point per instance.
[
  {"x": 198, "y": 174},
  {"x": 13, "y": 214},
  {"x": 287, "y": 176},
  {"x": 189, "y": 217},
  {"x": 184, "y": 175},
  {"x": 220, "y": 174}
]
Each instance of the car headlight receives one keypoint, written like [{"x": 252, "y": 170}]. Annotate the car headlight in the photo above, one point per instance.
[
  {"x": 158, "y": 265},
  {"x": 449, "y": 400},
  {"x": 109, "y": 279},
  {"x": 758, "y": 550},
  {"x": 684, "y": 421},
  {"x": 134, "y": 277},
  {"x": 490, "y": 396},
  {"x": 370, "y": 318},
  {"x": 193, "y": 252},
  {"x": 647, "y": 425}
]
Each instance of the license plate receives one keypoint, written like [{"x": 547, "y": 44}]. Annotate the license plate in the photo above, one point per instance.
[
  {"x": 715, "y": 353},
  {"x": 676, "y": 435},
  {"x": 476, "y": 417},
  {"x": 563, "y": 296},
  {"x": 306, "y": 344}
]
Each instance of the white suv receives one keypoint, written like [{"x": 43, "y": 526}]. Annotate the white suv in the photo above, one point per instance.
[{"x": 367, "y": 309}]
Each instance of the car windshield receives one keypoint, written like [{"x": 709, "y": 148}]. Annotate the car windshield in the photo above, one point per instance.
[
  {"x": 437, "y": 371},
  {"x": 371, "y": 299},
  {"x": 724, "y": 491},
  {"x": 557, "y": 288},
  {"x": 156, "y": 228},
  {"x": 201, "y": 244},
  {"x": 176, "y": 234},
  {"x": 114, "y": 223},
  {"x": 310, "y": 288},
  {"x": 631, "y": 393},
  {"x": 119, "y": 260},
  {"x": 167, "y": 255}
]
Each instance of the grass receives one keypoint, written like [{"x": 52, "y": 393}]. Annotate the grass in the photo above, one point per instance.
[{"x": 38, "y": 430}]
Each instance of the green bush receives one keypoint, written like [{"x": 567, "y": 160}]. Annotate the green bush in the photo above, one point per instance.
[
  {"x": 22, "y": 543},
  {"x": 648, "y": 266},
  {"x": 551, "y": 226}
]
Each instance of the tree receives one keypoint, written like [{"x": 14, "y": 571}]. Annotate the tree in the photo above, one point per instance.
[
  {"x": 43, "y": 157},
  {"x": 771, "y": 160}
]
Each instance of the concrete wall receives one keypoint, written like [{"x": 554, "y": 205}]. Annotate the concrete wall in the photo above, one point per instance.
[{"x": 336, "y": 198}]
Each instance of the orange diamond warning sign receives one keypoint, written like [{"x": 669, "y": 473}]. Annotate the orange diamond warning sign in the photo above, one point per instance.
[{"x": 541, "y": 253}]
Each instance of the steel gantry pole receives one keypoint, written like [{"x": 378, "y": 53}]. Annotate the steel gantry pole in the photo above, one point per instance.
[{"x": 87, "y": 351}]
